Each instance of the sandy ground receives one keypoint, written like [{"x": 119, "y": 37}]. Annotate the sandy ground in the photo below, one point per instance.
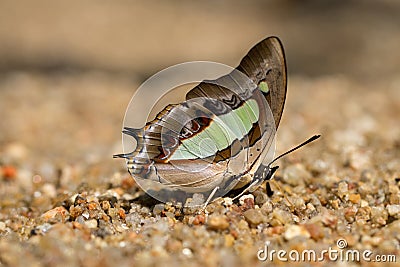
[{"x": 67, "y": 73}]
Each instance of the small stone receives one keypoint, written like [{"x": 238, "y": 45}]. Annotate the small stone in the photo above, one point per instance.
[
  {"x": 49, "y": 190},
  {"x": 217, "y": 222},
  {"x": 393, "y": 210},
  {"x": 310, "y": 207},
  {"x": 86, "y": 214},
  {"x": 229, "y": 240},
  {"x": 365, "y": 188},
  {"x": 260, "y": 197},
  {"x": 91, "y": 224},
  {"x": 281, "y": 217},
  {"x": 244, "y": 197},
  {"x": 359, "y": 160},
  {"x": 363, "y": 203},
  {"x": 199, "y": 219},
  {"x": 276, "y": 230},
  {"x": 355, "y": 198},
  {"x": 296, "y": 174},
  {"x": 343, "y": 189},
  {"x": 43, "y": 228},
  {"x": 296, "y": 231},
  {"x": 319, "y": 166},
  {"x": 198, "y": 200},
  {"x": 248, "y": 203},
  {"x": 329, "y": 219},
  {"x": 8, "y": 172},
  {"x": 58, "y": 214},
  {"x": 228, "y": 201},
  {"x": 335, "y": 203},
  {"x": 363, "y": 213},
  {"x": 2, "y": 226},
  {"x": 267, "y": 208},
  {"x": 394, "y": 199},
  {"x": 158, "y": 209},
  {"x": 253, "y": 217},
  {"x": 379, "y": 215},
  {"x": 298, "y": 202},
  {"x": 316, "y": 230},
  {"x": 187, "y": 252},
  {"x": 243, "y": 225},
  {"x": 169, "y": 214},
  {"x": 173, "y": 245},
  {"x": 349, "y": 213}
]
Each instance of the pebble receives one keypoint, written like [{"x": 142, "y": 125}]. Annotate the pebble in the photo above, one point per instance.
[
  {"x": 363, "y": 203},
  {"x": 228, "y": 201},
  {"x": 349, "y": 213},
  {"x": 260, "y": 197},
  {"x": 244, "y": 198},
  {"x": 267, "y": 208},
  {"x": 360, "y": 160},
  {"x": 253, "y": 216},
  {"x": 229, "y": 240},
  {"x": 91, "y": 224},
  {"x": 329, "y": 218},
  {"x": 316, "y": 230},
  {"x": 2, "y": 226},
  {"x": 198, "y": 219},
  {"x": 217, "y": 222},
  {"x": 187, "y": 252},
  {"x": 49, "y": 190},
  {"x": 158, "y": 209},
  {"x": 319, "y": 166},
  {"x": 282, "y": 217},
  {"x": 355, "y": 198},
  {"x": 296, "y": 231},
  {"x": 394, "y": 210},
  {"x": 43, "y": 228},
  {"x": 58, "y": 214},
  {"x": 379, "y": 215},
  {"x": 8, "y": 173},
  {"x": 296, "y": 174},
  {"x": 343, "y": 189},
  {"x": 44, "y": 211},
  {"x": 196, "y": 201},
  {"x": 298, "y": 203}
]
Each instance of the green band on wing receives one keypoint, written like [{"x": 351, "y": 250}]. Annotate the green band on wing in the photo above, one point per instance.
[
  {"x": 222, "y": 131},
  {"x": 263, "y": 87}
]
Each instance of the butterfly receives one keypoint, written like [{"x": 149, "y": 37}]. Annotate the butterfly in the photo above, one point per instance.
[{"x": 220, "y": 139}]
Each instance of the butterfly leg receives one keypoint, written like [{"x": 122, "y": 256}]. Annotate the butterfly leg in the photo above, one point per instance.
[
  {"x": 210, "y": 197},
  {"x": 270, "y": 192}
]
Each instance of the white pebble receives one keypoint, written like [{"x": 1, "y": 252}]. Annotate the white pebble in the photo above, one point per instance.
[
  {"x": 242, "y": 198},
  {"x": 187, "y": 252},
  {"x": 296, "y": 231},
  {"x": 393, "y": 210}
]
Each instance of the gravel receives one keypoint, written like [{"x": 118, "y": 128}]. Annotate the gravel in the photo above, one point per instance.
[
  {"x": 65, "y": 202},
  {"x": 79, "y": 210}
]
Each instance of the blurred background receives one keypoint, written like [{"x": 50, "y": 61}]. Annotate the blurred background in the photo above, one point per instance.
[{"x": 69, "y": 68}]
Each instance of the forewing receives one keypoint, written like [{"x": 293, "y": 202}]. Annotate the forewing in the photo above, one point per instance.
[{"x": 265, "y": 62}]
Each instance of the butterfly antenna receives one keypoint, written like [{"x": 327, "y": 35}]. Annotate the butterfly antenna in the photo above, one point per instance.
[{"x": 309, "y": 140}]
